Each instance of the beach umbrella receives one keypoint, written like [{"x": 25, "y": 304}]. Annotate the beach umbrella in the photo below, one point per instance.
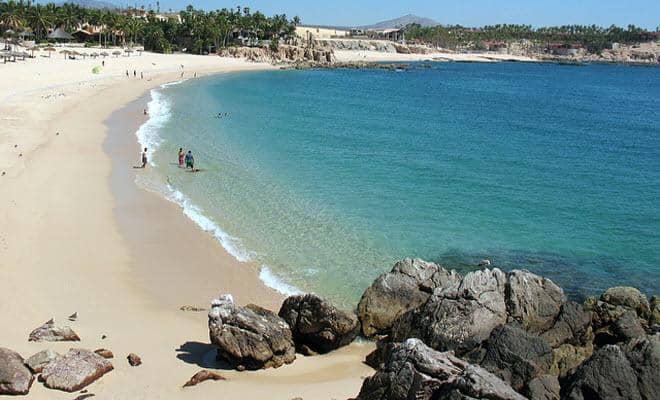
[
  {"x": 116, "y": 53},
  {"x": 50, "y": 50},
  {"x": 94, "y": 54},
  {"x": 140, "y": 51},
  {"x": 66, "y": 53},
  {"x": 33, "y": 49},
  {"x": 104, "y": 54},
  {"x": 128, "y": 51}
]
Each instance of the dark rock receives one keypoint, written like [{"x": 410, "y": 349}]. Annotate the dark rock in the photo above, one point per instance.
[
  {"x": 74, "y": 370},
  {"x": 607, "y": 375},
  {"x": 85, "y": 396},
  {"x": 404, "y": 288},
  {"x": 203, "y": 375},
  {"x": 545, "y": 387},
  {"x": 484, "y": 263},
  {"x": 73, "y": 317},
  {"x": 317, "y": 324},
  {"x": 572, "y": 326},
  {"x": 516, "y": 356},
  {"x": 15, "y": 377},
  {"x": 533, "y": 301},
  {"x": 38, "y": 361},
  {"x": 134, "y": 360},
  {"x": 627, "y": 297},
  {"x": 249, "y": 337},
  {"x": 376, "y": 359},
  {"x": 644, "y": 357},
  {"x": 627, "y": 326},
  {"x": 458, "y": 316},
  {"x": 654, "y": 305},
  {"x": 413, "y": 370},
  {"x": 48, "y": 332},
  {"x": 105, "y": 353},
  {"x": 192, "y": 308}
]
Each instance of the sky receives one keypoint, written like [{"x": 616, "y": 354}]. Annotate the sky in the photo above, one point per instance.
[{"x": 644, "y": 13}]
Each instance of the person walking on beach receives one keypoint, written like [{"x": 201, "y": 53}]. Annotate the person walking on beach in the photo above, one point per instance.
[
  {"x": 141, "y": 75},
  {"x": 144, "y": 158},
  {"x": 190, "y": 161},
  {"x": 134, "y": 74},
  {"x": 181, "y": 157},
  {"x": 127, "y": 73}
]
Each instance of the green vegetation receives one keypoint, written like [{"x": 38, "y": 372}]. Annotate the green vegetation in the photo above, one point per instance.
[
  {"x": 593, "y": 38},
  {"x": 191, "y": 30}
]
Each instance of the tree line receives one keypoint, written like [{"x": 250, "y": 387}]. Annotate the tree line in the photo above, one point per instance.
[
  {"x": 592, "y": 37},
  {"x": 195, "y": 31}
]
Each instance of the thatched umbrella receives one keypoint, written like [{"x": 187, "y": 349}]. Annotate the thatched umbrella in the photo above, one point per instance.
[
  {"x": 66, "y": 53},
  {"x": 94, "y": 54},
  {"x": 104, "y": 54},
  {"x": 116, "y": 53},
  {"x": 50, "y": 50},
  {"x": 33, "y": 49},
  {"x": 128, "y": 51},
  {"x": 140, "y": 51}
]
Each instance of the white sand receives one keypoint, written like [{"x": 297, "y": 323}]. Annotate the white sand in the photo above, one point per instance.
[{"x": 61, "y": 249}]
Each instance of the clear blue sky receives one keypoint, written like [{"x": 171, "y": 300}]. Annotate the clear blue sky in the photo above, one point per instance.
[{"x": 644, "y": 13}]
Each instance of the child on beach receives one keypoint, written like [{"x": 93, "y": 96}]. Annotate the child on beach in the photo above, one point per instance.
[
  {"x": 144, "y": 158},
  {"x": 190, "y": 161},
  {"x": 181, "y": 157}
]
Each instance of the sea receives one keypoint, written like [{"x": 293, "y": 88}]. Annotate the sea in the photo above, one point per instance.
[{"x": 325, "y": 178}]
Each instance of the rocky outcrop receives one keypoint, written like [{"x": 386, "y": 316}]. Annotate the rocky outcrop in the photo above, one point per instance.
[
  {"x": 39, "y": 360},
  {"x": 284, "y": 53},
  {"x": 407, "y": 286},
  {"x": 15, "y": 377},
  {"x": 202, "y": 376},
  {"x": 74, "y": 370},
  {"x": 317, "y": 325},
  {"x": 460, "y": 314},
  {"x": 544, "y": 387},
  {"x": 627, "y": 297},
  {"x": 532, "y": 300},
  {"x": 412, "y": 370},
  {"x": 572, "y": 326},
  {"x": 49, "y": 332},
  {"x": 644, "y": 356},
  {"x": 105, "y": 353},
  {"x": 249, "y": 337},
  {"x": 516, "y": 356}
]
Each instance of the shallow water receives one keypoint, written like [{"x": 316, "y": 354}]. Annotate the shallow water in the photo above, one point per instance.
[{"x": 328, "y": 177}]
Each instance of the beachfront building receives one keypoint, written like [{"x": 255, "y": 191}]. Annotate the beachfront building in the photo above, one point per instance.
[
  {"x": 564, "y": 49},
  {"x": 397, "y": 35},
  {"x": 320, "y": 32}
]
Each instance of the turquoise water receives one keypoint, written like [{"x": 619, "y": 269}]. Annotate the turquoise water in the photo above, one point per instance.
[{"x": 326, "y": 178}]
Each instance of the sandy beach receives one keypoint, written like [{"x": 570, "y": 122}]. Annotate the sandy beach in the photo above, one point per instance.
[{"x": 80, "y": 236}]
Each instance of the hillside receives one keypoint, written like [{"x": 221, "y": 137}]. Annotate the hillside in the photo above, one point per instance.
[
  {"x": 401, "y": 22},
  {"x": 93, "y": 4}
]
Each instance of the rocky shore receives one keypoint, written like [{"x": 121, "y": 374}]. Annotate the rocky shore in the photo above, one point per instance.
[{"x": 440, "y": 335}]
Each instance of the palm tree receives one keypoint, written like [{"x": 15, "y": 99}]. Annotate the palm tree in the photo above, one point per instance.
[
  {"x": 11, "y": 15},
  {"x": 40, "y": 19},
  {"x": 69, "y": 17}
]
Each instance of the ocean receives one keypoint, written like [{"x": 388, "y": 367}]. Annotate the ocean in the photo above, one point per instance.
[{"x": 325, "y": 178}]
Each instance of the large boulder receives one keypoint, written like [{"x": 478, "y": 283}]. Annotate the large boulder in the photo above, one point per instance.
[
  {"x": 627, "y": 297},
  {"x": 459, "y": 316},
  {"x": 516, "y": 356},
  {"x": 406, "y": 287},
  {"x": 15, "y": 377},
  {"x": 567, "y": 357},
  {"x": 38, "y": 361},
  {"x": 545, "y": 387},
  {"x": 572, "y": 326},
  {"x": 49, "y": 332},
  {"x": 74, "y": 370},
  {"x": 644, "y": 357},
  {"x": 249, "y": 337},
  {"x": 317, "y": 324},
  {"x": 533, "y": 301},
  {"x": 413, "y": 370},
  {"x": 607, "y": 375}
]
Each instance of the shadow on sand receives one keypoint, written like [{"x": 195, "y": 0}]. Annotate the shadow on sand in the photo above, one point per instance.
[{"x": 202, "y": 355}]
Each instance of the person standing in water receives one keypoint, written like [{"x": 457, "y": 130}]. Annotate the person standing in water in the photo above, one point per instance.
[
  {"x": 144, "y": 158},
  {"x": 181, "y": 157},
  {"x": 190, "y": 161}
]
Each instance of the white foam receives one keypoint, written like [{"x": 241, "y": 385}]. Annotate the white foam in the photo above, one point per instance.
[
  {"x": 159, "y": 114},
  {"x": 229, "y": 243},
  {"x": 272, "y": 281}
]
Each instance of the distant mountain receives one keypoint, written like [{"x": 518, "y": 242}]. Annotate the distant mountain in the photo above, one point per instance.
[
  {"x": 401, "y": 22},
  {"x": 92, "y": 4}
]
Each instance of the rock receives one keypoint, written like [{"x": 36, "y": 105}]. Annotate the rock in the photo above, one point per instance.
[
  {"x": 533, "y": 301},
  {"x": 73, "y": 317},
  {"x": 458, "y": 316},
  {"x": 39, "y": 360},
  {"x": 516, "y": 356},
  {"x": 394, "y": 293},
  {"x": 644, "y": 357},
  {"x": 376, "y": 359},
  {"x": 484, "y": 263},
  {"x": 203, "y": 375},
  {"x": 545, "y": 387},
  {"x": 317, "y": 324},
  {"x": 654, "y": 305},
  {"x": 627, "y": 297},
  {"x": 192, "y": 308},
  {"x": 134, "y": 360},
  {"x": 627, "y": 326},
  {"x": 249, "y": 337},
  {"x": 572, "y": 326},
  {"x": 48, "y": 332},
  {"x": 567, "y": 357},
  {"x": 606, "y": 375},
  {"x": 105, "y": 353},
  {"x": 413, "y": 370},
  {"x": 74, "y": 370},
  {"x": 15, "y": 377},
  {"x": 85, "y": 396}
]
